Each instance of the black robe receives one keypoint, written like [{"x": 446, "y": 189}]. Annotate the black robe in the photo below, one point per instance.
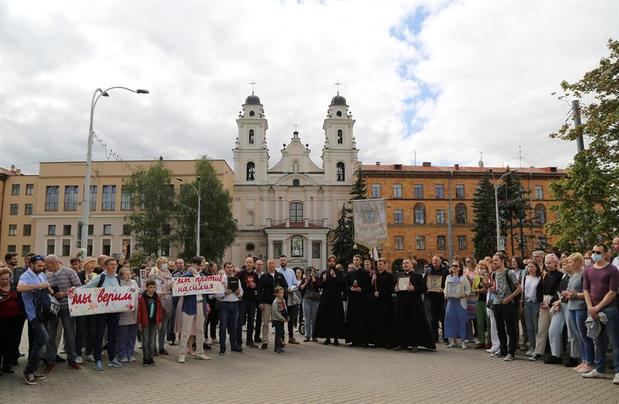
[
  {"x": 330, "y": 318},
  {"x": 382, "y": 311},
  {"x": 413, "y": 327},
  {"x": 357, "y": 322}
]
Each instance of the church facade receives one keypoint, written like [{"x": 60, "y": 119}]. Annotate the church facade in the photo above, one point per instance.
[{"x": 290, "y": 207}]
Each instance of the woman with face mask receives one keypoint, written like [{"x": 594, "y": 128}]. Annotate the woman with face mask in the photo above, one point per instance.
[{"x": 162, "y": 276}]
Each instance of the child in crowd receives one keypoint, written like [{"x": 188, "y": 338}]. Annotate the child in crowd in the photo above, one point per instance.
[
  {"x": 279, "y": 315},
  {"x": 150, "y": 315}
]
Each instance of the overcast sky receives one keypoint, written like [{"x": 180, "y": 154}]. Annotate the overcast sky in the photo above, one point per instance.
[{"x": 447, "y": 79}]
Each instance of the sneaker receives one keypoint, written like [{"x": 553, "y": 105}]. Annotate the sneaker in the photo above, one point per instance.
[
  {"x": 164, "y": 352},
  {"x": 534, "y": 357},
  {"x": 251, "y": 345},
  {"x": 279, "y": 351},
  {"x": 131, "y": 358},
  {"x": 529, "y": 352},
  {"x": 78, "y": 359},
  {"x": 98, "y": 366},
  {"x": 181, "y": 358},
  {"x": 202, "y": 357},
  {"x": 552, "y": 360},
  {"x": 492, "y": 350},
  {"x": 123, "y": 359},
  {"x": 594, "y": 374},
  {"x": 616, "y": 379},
  {"x": 239, "y": 350},
  {"x": 496, "y": 354},
  {"x": 152, "y": 363},
  {"x": 509, "y": 357},
  {"x": 29, "y": 379},
  {"x": 74, "y": 365},
  {"x": 90, "y": 358},
  {"x": 40, "y": 377},
  {"x": 463, "y": 345},
  {"x": 293, "y": 341},
  {"x": 145, "y": 364},
  {"x": 222, "y": 352},
  {"x": 114, "y": 364},
  {"x": 49, "y": 368},
  {"x": 452, "y": 345},
  {"x": 264, "y": 345},
  {"x": 258, "y": 339},
  {"x": 584, "y": 368}
]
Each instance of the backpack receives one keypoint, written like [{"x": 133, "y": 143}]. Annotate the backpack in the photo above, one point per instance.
[
  {"x": 102, "y": 279},
  {"x": 46, "y": 305}
]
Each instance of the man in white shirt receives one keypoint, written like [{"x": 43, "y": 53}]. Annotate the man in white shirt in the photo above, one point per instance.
[
  {"x": 616, "y": 251},
  {"x": 293, "y": 284},
  {"x": 229, "y": 310}
]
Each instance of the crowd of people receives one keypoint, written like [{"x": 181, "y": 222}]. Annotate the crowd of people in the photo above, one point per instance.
[{"x": 559, "y": 308}]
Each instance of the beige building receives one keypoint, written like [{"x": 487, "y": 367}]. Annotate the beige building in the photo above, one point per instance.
[{"x": 41, "y": 213}]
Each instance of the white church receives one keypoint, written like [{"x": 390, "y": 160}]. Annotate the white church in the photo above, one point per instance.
[{"x": 289, "y": 208}]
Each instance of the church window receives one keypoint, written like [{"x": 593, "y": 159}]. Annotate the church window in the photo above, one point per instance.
[
  {"x": 340, "y": 172},
  {"x": 296, "y": 183},
  {"x": 296, "y": 212},
  {"x": 251, "y": 136},
  {"x": 296, "y": 246},
  {"x": 252, "y": 113},
  {"x": 340, "y": 136},
  {"x": 338, "y": 113},
  {"x": 251, "y": 171}
]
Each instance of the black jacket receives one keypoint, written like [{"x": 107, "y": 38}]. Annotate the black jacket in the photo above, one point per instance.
[
  {"x": 267, "y": 284},
  {"x": 248, "y": 279}
]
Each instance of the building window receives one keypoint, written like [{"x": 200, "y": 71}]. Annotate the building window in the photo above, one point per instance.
[
  {"x": 338, "y": 113},
  {"x": 126, "y": 200},
  {"x": 70, "y": 197},
  {"x": 398, "y": 241},
  {"x": 25, "y": 249},
  {"x": 277, "y": 248},
  {"x": 460, "y": 191},
  {"x": 441, "y": 242},
  {"x": 126, "y": 230},
  {"x": 51, "y": 229},
  {"x": 66, "y": 230},
  {"x": 340, "y": 171},
  {"x": 420, "y": 213},
  {"x": 439, "y": 191},
  {"x": 126, "y": 248},
  {"x": 539, "y": 192},
  {"x": 91, "y": 229},
  {"x": 93, "y": 197},
  {"x": 29, "y": 190},
  {"x": 375, "y": 190},
  {"x": 66, "y": 247},
  {"x": 27, "y": 230},
  {"x": 106, "y": 246},
  {"x": 296, "y": 183},
  {"x": 316, "y": 249},
  {"x": 398, "y": 216},
  {"x": 252, "y": 113},
  {"x": 420, "y": 242},
  {"x": 460, "y": 213},
  {"x": 296, "y": 212},
  {"x": 107, "y": 229},
  {"x": 109, "y": 198},
  {"x": 440, "y": 216},
  {"x": 51, "y": 247},
  {"x": 14, "y": 209},
  {"x": 251, "y": 171},
  {"x": 340, "y": 136},
  {"x": 418, "y": 191},
  {"x": 251, "y": 136},
  {"x": 461, "y": 242},
  {"x": 28, "y": 209},
  {"x": 540, "y": 214},
  {"x": 89, "y": 248},
  {"x": 51, "y": 198},
  {"x": 15, "y": 189},
  {"x": 11, "y": 248},
  {"x": 397, "y": 190},
  {"x": 296, "y": 246},
  {"x": 12, "y": 230}
]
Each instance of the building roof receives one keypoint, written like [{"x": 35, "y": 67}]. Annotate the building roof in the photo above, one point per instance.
[
  {"x": 338, "y": 100},
  {"x": 427, "y": 168}
]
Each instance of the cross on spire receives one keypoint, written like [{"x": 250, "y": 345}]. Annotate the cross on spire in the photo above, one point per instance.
[
  {"x": 252, "y": 84},
  {"x": 337, "y": 85}
]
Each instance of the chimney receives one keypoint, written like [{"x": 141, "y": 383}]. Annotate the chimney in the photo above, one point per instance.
[
  {"x": 456, "y": 167},
  {"x": 426, "y": 164},
  {"x": 378, "y": 163},
  {"x": 553, "y": 169},
  {"x": 397, "y": 166},
  {"x": 12, "y": 168}
]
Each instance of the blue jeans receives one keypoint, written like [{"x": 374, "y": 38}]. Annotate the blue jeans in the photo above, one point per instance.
[
  {"x": 228, "y": 322},
  {"x": 39, "y": 340},
  {"x": 162, "y": 333},
  {"x": 125, "y": 340},
  {"x": 310, "y": 312},
  {"x": 586, "y": 344},
  {"x": 531, "y": 313},
  {"x": 610, "y": 332}
]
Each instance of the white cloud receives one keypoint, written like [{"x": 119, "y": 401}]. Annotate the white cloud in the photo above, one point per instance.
[{"x": 493, "y": 64}]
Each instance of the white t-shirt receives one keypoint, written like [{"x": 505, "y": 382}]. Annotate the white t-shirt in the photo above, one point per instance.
[{"x": 530, "y": 288}]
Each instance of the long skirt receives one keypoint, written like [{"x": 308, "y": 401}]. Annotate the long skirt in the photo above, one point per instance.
[{"x": 455, "y": 319}]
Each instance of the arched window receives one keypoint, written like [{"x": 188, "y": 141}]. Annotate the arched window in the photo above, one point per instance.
[
  {"x": 340, "y": 136},
  {"x": 251, "y": 171},
  {"x": 251, "y": 136},
  {"x": 296, "y": 246},
  {"x": 420, "y": 213},
  {"x": 296, "y": 183},
  {"x": 340, "y": 172},
  {"x": 460, "y": 213},
  {"x": 252, "y": 113},
  {"x": 338, "y": 113},
  {"x": 296, "y": 212},
  {"x": 540, "y": 214}
]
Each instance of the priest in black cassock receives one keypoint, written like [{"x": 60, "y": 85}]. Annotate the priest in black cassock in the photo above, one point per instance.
[
  {"x": 382, "y": 311},
  {"x": 413, "y": 328},
  {"x": 359, "y": 290},
  {"x": 330, "y": 318}
]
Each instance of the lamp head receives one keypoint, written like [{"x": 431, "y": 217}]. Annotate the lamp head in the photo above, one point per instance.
[{"x": 142, "y": 91}]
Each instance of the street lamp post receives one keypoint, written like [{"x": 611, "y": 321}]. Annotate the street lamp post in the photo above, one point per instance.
[
  {"x": 198, "y": 220},
  {"x": 496, "y": 208},
  {"x": 91, "y": 132}
]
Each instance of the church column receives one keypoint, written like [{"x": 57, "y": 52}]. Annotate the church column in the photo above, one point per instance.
[
  {"x": 323, "y": 250},
  {"x": 269, "y": 247}
]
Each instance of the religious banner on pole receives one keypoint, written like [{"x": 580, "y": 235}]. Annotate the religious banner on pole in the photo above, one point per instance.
[
  {"x": 208, "y": 285},
  {"x": 87, "y": 301},
  {"x": 370, "y": 222}
]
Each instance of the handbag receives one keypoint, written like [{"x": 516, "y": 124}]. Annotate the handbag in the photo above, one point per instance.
[{"x": 294, "y": 298}]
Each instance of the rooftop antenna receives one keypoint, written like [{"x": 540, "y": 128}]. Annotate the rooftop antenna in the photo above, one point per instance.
[
  {"x": 520, "y": 154},
  {"x": 252, "y": 84},
  {"x": 481, "y": 159},
  {"x": 415, "y": 157},
  {"x": 338, "y": 84}
]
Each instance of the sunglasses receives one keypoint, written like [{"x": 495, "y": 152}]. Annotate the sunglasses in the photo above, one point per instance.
[
  {"x": 456, "y": 266},
  {"x": 597, "y": 252}
]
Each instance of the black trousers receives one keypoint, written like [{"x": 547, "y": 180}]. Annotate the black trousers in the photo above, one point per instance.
[
  {"x": 436, "y": 309},
  {"x": 9, "y": 342},
  {"x": 505, "y": 316},
  {"x": 258, "y": 326},
  {"x": 247, "y": 310},
  {"x": 293, "y": 313},
  {"x": 211, "y": 320}
]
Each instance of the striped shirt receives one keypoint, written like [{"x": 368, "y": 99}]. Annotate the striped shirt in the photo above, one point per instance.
[{"x": 63, "y": 279}]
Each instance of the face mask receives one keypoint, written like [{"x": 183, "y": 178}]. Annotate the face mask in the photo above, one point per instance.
[
  {"x": 597, "y": 257},
  {"x": 588, "y": 261},
  {"x": 164, "y": 266}
]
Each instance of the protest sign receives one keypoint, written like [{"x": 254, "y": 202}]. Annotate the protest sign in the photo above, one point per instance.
[
  {"x": 185, "y": 286},
  {"x": 87, "y": 301}
]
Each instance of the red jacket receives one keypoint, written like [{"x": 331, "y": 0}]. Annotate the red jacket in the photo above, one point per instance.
[{"x": 143, "y": 310}]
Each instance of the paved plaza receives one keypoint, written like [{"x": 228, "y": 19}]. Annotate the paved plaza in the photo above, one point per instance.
[{"x": 313, "y": 373}]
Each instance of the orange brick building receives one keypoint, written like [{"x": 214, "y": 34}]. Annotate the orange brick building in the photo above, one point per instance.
[{"x": 421, "y": 201}]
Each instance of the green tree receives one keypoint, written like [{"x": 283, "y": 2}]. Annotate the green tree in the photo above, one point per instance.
[
  {"x": 217, "y": 225},
  {"x": 343, "y": 237},
  {"x": 359, "y": 188},
  {"x": 513, "y": 208},
  {"x": 484, "y": 219},
  {"x": 588, "y": 209},
  {"x": 151, "y": 192}
]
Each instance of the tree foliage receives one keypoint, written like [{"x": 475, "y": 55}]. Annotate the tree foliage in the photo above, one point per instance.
[
  {"x": 513, "y": 208},
  {"x": 484, "y": 218},
  {"x": 217, "y": 225}
]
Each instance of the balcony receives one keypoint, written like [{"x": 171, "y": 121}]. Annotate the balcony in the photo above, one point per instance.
[{"x": 305, "y": 224}]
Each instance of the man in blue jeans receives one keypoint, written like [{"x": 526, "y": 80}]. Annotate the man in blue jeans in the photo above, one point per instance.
[
  {"x": 229, "y": 311},
  {"x": 600, "y": 284},
  {"x": 32, "y": 282}
]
